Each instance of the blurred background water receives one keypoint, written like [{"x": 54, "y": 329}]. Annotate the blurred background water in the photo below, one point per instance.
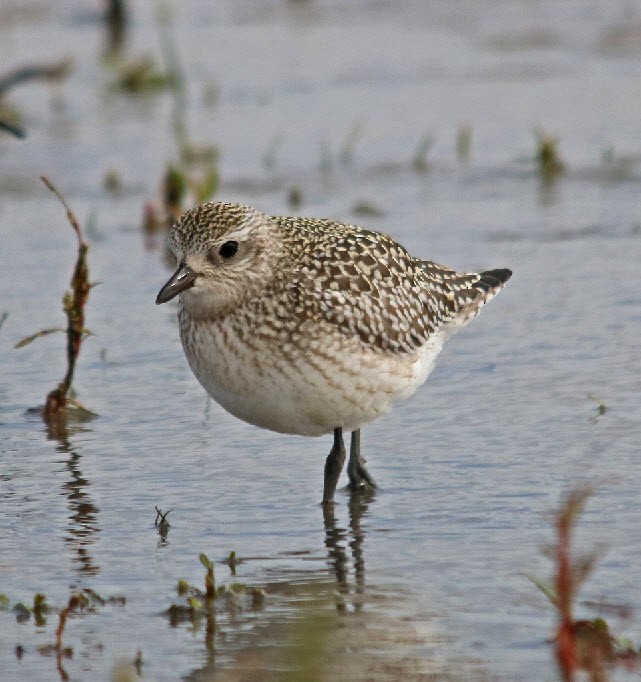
[{"x": 419, "y": 119}]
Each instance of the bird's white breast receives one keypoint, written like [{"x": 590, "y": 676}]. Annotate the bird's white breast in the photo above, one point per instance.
[{"x": 306, "y": 388}]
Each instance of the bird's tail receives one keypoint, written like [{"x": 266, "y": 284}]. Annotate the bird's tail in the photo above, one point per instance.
[{"x": 485, "y": 288}]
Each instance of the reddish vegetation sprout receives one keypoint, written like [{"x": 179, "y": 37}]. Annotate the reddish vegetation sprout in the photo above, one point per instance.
[{"x": 74, "y": 302}]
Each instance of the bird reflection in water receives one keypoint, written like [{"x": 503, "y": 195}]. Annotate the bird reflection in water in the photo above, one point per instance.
[
  {"x": 338, "y": 539},
  {"x": 293, "y": 604}
]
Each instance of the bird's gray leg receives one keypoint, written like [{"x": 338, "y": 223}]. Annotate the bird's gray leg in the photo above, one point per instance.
[
  {"x": 359, "y": 477},
  {"x": 333, "y": 466}
]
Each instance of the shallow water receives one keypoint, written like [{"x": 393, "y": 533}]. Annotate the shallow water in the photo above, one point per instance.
[{"x": 429, "y": 576}]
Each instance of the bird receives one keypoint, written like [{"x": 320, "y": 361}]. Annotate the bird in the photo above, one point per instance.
[{"x": 312, "y": 326}]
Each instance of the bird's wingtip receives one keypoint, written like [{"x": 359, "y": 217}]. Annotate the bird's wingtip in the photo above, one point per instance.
[{"x": 493, "y": 279}]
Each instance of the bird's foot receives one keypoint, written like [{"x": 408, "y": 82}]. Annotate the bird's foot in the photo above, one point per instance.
[{"x": 359, "y": 477}]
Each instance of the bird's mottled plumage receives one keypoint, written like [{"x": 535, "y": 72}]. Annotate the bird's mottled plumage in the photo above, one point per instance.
[{"x": 311, "y": 325}]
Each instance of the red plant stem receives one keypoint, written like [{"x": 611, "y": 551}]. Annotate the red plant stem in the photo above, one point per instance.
[
  {"x": 61, "y": 626},
  {"x": 74, "y": 602},
  {"x": 75, "y": 311},
  {"x": 566, "y": 653},
  {"x": 76, "y": 314}
]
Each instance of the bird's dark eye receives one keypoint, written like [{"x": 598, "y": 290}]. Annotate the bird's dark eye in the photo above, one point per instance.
[{"x": 228, "y": 249}]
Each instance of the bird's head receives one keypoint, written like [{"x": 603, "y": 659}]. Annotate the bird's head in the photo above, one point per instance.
[{"x": 226, "y": 253}]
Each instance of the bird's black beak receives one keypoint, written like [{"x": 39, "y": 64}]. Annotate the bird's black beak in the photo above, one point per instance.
[{"x": 182, "y": 279}]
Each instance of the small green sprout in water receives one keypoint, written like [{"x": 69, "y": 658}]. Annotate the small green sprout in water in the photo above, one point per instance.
[
  {"x": 179, "y": 183},
  {"x": 40, "y": 608},
  {"x": 226, "y": 598},
  {"x": 142, "y": 76},
  {"x": 183, "y": 588},
  {"x": 210, "y": 587},
  {"x": 547, "y": 156},
  {"x": 194, "y": 604},
  {"x": 4, "y": 602},
  {"x": 601, "y": 408},
  {"x": 419, "y": 161},
  {"x": 189, "y": 612},
  {"x": 174, "y": 190},
  {"x": 232, "y": 561}
]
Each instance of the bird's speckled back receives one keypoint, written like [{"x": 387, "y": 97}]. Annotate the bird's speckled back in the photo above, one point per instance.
[{"x": 363, "y": 283}]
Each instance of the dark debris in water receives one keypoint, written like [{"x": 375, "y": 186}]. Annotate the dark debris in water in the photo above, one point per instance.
[{"x": 161, "y": 523}]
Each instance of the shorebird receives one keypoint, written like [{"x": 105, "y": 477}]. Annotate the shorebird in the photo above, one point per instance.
[{"x": 311, "y": 326}]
